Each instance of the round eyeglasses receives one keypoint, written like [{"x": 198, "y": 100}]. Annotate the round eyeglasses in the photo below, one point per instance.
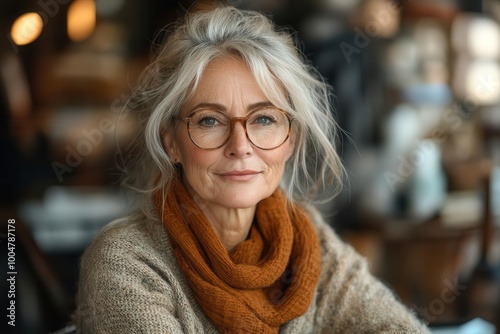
[{"x": 266, "y": 128}]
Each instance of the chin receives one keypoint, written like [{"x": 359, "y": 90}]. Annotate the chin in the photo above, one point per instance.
[
  {"x": 243, "y": 199},
  {"x": 239, "y": 202}
]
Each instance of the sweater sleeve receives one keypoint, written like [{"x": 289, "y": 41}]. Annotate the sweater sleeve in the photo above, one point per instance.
[
  {"x": 123, "y": 290},
  {"x": 351, "y": 300}
]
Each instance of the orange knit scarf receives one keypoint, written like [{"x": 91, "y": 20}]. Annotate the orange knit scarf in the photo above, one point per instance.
[{"x": 266, "y": 281}]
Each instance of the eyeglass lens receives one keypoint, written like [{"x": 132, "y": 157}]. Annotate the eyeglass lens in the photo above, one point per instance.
[{"x": 266, "y": 128}]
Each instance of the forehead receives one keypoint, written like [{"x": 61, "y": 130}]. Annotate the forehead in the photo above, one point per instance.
[
  {"x": 226, "y": 76},
  {"x": 228, "y": 80}
]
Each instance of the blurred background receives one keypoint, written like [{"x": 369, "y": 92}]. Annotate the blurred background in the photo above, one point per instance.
[{"x": 417, "y": 88}]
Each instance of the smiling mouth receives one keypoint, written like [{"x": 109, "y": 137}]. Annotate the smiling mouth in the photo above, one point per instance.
[{"x": 243, "y": 175}]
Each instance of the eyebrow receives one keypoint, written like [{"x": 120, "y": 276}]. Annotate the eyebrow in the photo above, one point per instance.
[{"x": 220, "y": 107}]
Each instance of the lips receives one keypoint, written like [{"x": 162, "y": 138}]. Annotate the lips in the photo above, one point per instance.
[{"x": 240, "y": 175}]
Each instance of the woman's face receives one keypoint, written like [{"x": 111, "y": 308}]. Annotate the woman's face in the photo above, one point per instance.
[{"x": 238, "y": 174}]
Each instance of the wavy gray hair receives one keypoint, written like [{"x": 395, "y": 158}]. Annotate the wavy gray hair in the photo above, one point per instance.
[{"x": 314, "y": 172}]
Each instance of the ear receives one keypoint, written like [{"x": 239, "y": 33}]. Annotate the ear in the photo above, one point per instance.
[{"x": 170, "y": 145}]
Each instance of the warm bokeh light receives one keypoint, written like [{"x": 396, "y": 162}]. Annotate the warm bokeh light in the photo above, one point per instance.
[
  {"x": 81, "y": 20},
  {"x": 478, "y": 36},
  {"x": 380, "y": 18},
  {"x": 477, "y": 82},
  {"x": 484, "y": 38},
  {"x": 26, "y": 28}
]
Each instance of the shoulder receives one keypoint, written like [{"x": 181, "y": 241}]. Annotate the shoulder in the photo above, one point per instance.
[
  {"x": 329, "y": 240},
  {"x": 121, "y": 233},
  {"x": 130, "y": 282},
  {"x": 339, "y": 260},
  {"x": 349, "y": 298},
  {"x": 126, "y": 241},
  {"x": 123, "y": 230}
]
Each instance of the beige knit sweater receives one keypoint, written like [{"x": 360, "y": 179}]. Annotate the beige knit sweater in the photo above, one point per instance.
[{"x": 130, "y": 283}]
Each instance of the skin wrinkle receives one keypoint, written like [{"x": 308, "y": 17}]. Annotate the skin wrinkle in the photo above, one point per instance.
[{"x": 229, "y": 205}]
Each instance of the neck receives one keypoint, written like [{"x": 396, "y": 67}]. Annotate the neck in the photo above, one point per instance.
[{"x": 231, "y": 225}]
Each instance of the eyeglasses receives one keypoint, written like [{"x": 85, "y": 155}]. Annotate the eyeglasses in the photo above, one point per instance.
[{"x": 266, "y": 128}]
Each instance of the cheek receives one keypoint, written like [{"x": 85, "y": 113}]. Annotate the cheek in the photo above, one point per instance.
[
  {"x": 186, "y": 151},
  {"x": 195, "y": 158},
  {"x": 196, "y": 174},
  {"x": 196, "y": 165},
  {"x": 288, "y": 150},
  {"x": 276, "y": 161}
]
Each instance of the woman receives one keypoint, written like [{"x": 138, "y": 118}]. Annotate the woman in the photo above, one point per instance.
[{"x": 236, "y": 134}]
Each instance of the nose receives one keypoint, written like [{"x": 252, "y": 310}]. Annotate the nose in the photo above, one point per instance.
[{"x": 238, "y": 145}]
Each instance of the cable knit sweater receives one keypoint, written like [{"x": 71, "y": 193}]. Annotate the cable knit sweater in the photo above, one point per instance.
[{"x": 130, "y": 282}]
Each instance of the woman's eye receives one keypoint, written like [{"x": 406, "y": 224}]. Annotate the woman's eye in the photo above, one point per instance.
[
  {"x": 264, "y": 120},
  {"x": 208, "y": 121}
]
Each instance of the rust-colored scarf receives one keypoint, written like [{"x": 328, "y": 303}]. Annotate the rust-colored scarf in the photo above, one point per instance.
[{"x": 266, "y": 281}]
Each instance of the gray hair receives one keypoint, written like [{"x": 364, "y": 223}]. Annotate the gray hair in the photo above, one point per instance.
[{"x": 313, "y": 173}]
